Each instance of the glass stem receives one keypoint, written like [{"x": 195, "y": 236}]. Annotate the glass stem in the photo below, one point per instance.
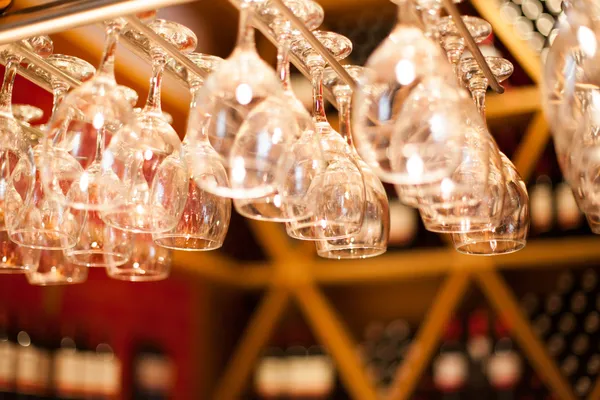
[
  {"x": 100, "y": 144},
  {"x": 479, "y": 99},
  {"x": 58, "y": 94},
  {"x": 245, "y": 39},
  {"x": 283, "y": 60},
  {"x": 431, "y": 19},
  {"x": 316, "y": 74},
  {"x": 406, "y": 13},
  {"x": 107, "y": 63},
  {"x": 7, "y": 85},
  {"x": 344, "y": 112},
  {"x": 153, "y": 100},
  {"x": 197, "y": 122}
]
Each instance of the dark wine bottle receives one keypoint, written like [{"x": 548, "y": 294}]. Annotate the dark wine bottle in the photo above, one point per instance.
[
  {"x": 68, "y": 371},
  {"x": 504, "y": 367},
  {"x": 589, "y": 281},
  {"x": 8, "y": 359},
  {"x": 451, "y": 366},
  {"x": 479, "y": 347},
  {"x": 553, "y": 307},
  {"x": 32, "y": 363},
  {"x": 271, "y": 374},
  {"x": 153, "y": 373},
  {"x": 566, "y": 284}
]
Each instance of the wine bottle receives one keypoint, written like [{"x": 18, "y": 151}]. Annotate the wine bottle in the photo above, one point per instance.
[
  {"x": 153, "y": 373},
  {"x": 479, "y": 346},
  {"x": 530, "y": 305},
  {"x": 108, "y": 367},
  {"x": 8, "y": 359},
  {"x": 270, "y": 377},
  {"x": 583, "y": 386},
  {"x": 68, "y": 372},
  {"x": 566, "y": 284},
  {"x": 553, "y": 308},
  {"x": 504, "y": 366},
  {"x": 451, "y": 366},
  {"x": 319, "y": 373},
  {"x": 589, "y": 281},
  {"x": 32, "y": 363}
]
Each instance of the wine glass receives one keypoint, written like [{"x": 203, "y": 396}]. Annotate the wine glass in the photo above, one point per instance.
[
  {"x": 148, "y": 261},
  {"x": 15, "y": 259},
  {"x": 14, "y": 145},
  {"x": 55, "y": 269},
  {"x": 373, "y": 236},
  {"x": 241, "y": 112},
  {"x": 81, "y": 126},
  {"x": 510, "y": 234},
  {"x": 571, "y": 64},
  {"x": 472, "y": 197},
  {"x": 452, "y": 41},
  {"x": 290, "y": 202},
  {"x": 47, "y": 223},
  {"x": 205, "y": 218},
  {"x": 27, "y": 113},
  {"x": 339, "y": 191},
  {"x": 154, "y": 157},
  {"x": 406, "y": 59}
]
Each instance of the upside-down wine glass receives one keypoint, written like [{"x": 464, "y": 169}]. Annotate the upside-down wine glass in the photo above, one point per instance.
[
  {"x": 15, "y": 148},
  {"x": 81, "y": 126},
  {"x": 472, "y": 198},
  {"x": 339, "y": 191},
  {"x": 158, "y": 173},
  {"x": 240, "y": 110},
  {"x": 148, "y": 261},
  {"x": 290, "y": 202},
  {"x": 510, "y": 234},
  {"x": 54, "y": 268},
  {"x": 205, "y": 219},
  {"x": 452, "y": 41},
  {"x": 403, "y": 61},
  {"x": 571, "y": 65},
  {"x": 372, "y": 239},
  {"x": 48, "y": 223}
]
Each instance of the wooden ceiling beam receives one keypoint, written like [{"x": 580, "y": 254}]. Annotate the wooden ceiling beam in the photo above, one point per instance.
[
  {"x": 433, "y": 262},
  {"x": 532, "y": 146},
  {"x": 515, "y": 101}
]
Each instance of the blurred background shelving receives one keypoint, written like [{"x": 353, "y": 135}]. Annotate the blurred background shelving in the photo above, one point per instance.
[{"x": 403, "y": 325}]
